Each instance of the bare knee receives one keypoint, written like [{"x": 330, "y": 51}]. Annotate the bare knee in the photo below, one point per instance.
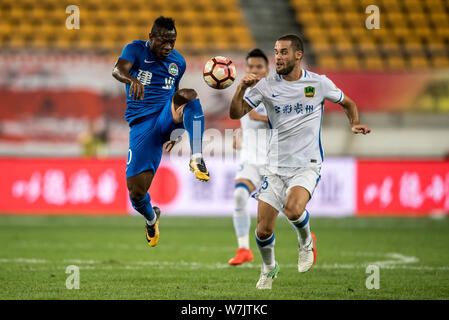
[
  {"x": 136, "y": 193},
  {"x": 293, "y": 211},
  {"x": 136, "y": 189},
  {"x": 183, "y": 96}
]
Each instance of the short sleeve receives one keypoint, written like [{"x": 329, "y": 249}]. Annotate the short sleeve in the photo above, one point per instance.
[
  {"x": 330, "y": 90},
  {"x": 129, "y": 52},
  {"x": 253, "y": 96}
]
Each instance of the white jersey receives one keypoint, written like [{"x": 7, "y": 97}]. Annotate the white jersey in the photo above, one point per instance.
[
  {"x": 255, "y": 136},
  {"x": 294, "y": 110}
]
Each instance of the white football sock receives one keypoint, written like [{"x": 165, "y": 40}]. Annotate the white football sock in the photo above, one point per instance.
[
  {"x": 302, "y": 227},
  {"x": 266, "y": 249},
  {"x": 241, "y": 216},
  {"x": 196, "y": 156}
]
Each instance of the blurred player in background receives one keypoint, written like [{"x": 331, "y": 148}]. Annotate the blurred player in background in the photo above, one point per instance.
[
  {"x": 94, "y": 140},
  {"x": 152, "y": 71},
  {"x": 251, "y": 140},
  {"x": 294, "y": 100}
]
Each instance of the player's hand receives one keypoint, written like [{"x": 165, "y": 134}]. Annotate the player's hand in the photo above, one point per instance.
[
  {"x": 360, "y": 128},
  {"x": 178, "y": 114},
  {"x": 136, "y": 89},
  {"x": 248, "y": 80},
  {"x": 169, "y": 145}
]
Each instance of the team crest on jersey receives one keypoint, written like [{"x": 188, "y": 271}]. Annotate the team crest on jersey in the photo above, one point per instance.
[
  {"x": 309, "y": 91},
  {"x": 173, "y": 69}
]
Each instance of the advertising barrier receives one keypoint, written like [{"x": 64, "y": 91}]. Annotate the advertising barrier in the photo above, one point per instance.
[
  {"x": 98, "y": 187},
  {"x": 415, "y": 188},
  {"x": 62, "y": 186}
]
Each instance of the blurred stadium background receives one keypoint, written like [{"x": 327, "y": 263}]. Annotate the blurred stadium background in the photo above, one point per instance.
[
  {"x": 64, "y": 140},
  {"x": 64, "y": 143}
]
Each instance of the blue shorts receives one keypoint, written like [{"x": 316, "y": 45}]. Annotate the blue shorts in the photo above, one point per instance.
[{"x": 146, "y": 138}]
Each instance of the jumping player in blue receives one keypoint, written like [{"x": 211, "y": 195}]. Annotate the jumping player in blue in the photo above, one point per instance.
[{"x": 152, "y": 71}]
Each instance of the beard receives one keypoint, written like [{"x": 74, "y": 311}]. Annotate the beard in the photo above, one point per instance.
[{"x": 286, "y": 70}]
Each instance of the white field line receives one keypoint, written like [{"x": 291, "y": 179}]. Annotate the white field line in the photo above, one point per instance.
[
  {"x": 114, "y": 246},
  {"x": 394, "y": 261}
]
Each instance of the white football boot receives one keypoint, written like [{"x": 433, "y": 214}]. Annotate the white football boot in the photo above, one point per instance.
[
  {"x": 307, "y": 255},
  {"x": 266, "y": 278}
]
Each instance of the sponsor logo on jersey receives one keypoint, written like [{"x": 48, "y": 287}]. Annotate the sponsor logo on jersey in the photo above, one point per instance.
[
  {"x": 309, "y": 91},
  {"x": 173, "y": 69}
]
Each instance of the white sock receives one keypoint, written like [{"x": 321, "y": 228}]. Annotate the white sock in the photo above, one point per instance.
[
  {"x": 243, "y": 241},
  {"x": 302, "y": 227},
  {"x": 241, "y": 218},
  {"x": 266, "y": 249},
  {"x": 152, "y": 222},
  {"x": 196, "y": 156}
]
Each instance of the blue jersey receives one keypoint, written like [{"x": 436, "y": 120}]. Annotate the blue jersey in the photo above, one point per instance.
[{"x": 159, "y": 77}]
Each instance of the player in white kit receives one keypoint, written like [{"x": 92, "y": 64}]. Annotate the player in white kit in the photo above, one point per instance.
[
  {"x": 253, "y": 139},
  {"x": 294, "y": 99}
]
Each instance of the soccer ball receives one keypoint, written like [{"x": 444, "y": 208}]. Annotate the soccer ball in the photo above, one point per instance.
[{"x": 219, "y": 72}]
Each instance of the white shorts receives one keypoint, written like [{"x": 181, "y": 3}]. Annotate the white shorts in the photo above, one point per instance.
[
  {"x": 251, "y": 172},
  {"x": 276, "y": 186}
]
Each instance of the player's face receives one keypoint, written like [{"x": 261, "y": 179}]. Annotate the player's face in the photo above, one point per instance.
[
  {"x": 285, "y": 57},
  {"x": 162, "y": 43},
  {"x": 257, "y": 66}
]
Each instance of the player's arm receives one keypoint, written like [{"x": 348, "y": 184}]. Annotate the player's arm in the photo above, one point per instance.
[
  {"x": 121, "y": 73},
  {"x": 237, "y": 140},
  {"x": 254, "y": 115},
  {"x": 352, "y": 113},
  {"x": 239, "y": 107}
]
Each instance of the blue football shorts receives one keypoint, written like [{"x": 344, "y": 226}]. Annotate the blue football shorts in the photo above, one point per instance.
[{"x": 146, "y": 138}]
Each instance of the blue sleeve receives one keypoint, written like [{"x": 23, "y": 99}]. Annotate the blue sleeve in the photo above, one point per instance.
[
  {"x": 181, "y": 73},
  {"x": 129, "y": 52}
]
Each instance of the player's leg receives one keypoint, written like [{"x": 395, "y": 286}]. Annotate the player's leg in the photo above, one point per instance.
[
  {"x": 265, "y": 239},
  {"x": 242, "y": 221},
  {"x": 295, "y": 210},
  {"x": 270, "y": 203},
  {"x": 298, "y": 216},
  {"x": 187, "y": 101},
  {"x": 144, "y": 155},
  {"x": 138, "y": 186}
]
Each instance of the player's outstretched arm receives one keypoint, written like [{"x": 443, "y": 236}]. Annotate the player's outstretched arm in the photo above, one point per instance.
[
  {"x": 121, "y": 73},
  {"x": 239, "y": 107},
  {"x": 353, "y": 115}
]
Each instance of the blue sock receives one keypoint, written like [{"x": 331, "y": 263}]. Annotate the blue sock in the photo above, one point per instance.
[
  {"x": 144, "y": 207},
  {"x": 194, "y": 125}
]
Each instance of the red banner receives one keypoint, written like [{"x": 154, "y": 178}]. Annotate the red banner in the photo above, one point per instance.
[
  {"x": 97, "y": 187},
  {"x": 63, "y": 186},
  {"x": 416, "y": 188}
]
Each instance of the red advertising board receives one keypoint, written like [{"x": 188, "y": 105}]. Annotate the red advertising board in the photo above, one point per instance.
[
  {"x": 98, "y": 187},
  {"x": 415, "y": 188},
  {"x": 63, "y": 186}
]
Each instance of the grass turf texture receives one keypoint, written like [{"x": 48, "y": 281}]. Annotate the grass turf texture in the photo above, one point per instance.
[{"x": 190, "y": 261}]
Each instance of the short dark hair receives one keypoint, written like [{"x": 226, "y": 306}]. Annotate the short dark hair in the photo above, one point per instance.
[
  {"x": 296, "y": 41},
  {"x": 163, "y": 23},
  {"x": 257, "y": 53}
]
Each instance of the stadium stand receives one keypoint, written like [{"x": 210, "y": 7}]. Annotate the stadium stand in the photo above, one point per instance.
[
  {"x": 107, "y": 25},
  {"x": 413, "y": 34},
  {"x": 53, "y": 81}
]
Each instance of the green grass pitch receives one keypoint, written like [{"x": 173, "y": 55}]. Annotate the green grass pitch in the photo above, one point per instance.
[{"x": 190, "y": 261}]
